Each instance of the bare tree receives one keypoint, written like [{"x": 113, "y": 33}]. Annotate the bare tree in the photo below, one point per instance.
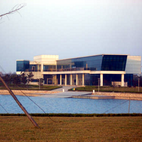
[{"x": 14, "y": 10}]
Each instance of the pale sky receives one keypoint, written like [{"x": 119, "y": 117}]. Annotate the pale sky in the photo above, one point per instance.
[{"x": 69, "y": 28}]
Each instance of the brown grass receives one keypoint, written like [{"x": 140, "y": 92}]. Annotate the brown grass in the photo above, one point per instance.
[{"x": 68, "y": 129}]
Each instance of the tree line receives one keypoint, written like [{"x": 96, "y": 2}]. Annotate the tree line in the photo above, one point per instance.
[{"x": 14, "y": 79}]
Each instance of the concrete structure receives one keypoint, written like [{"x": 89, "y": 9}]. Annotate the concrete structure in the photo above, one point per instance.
[{"x": 104, "y": 69}]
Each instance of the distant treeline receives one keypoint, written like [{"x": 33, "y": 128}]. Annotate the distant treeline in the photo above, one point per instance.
[{"x": 14, "y": 79}]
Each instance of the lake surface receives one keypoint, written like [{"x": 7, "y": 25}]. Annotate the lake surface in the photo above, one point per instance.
[{"x": 68, "y": 105}]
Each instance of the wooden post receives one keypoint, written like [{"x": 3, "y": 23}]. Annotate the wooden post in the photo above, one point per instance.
[{"x": 18, "y": 102}]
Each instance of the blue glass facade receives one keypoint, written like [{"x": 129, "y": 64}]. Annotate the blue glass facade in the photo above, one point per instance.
[
  {"x": 82, "y": 63},
  {"x": 114, "y": 62},
  {"x": 95, "y": 63},
  {"x": 22, "y": 65},
  {"x": 33, "y": 67},
  {"x": 49, "y": 68}
]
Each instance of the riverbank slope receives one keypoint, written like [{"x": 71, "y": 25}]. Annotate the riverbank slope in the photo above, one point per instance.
[{"x": 63, "y": 129}]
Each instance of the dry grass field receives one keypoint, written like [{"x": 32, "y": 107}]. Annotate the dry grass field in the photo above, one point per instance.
[{"x": 71, "y": 129}]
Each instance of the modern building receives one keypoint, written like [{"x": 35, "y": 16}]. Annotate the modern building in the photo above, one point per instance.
[{"x": 104, "y": 69}]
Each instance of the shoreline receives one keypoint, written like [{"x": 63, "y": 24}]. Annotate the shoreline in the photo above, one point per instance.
[
  {"x": 125, "y": 96},
  {"x": 110, "y": 95},
  {"x": 115, "y": 95},
  {"x": 31, "y": 93}
]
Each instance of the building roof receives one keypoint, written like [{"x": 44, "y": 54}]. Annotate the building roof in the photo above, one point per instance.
[{"x": 91, "y": 56}]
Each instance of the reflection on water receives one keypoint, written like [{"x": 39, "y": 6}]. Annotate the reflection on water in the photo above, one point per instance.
[{"x": 69, "y": 105}]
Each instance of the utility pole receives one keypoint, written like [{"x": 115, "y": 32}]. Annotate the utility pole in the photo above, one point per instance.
[
  {"x": 138, "y": 83},
  {"x": 139, "y": 77},
  {"x": 18, "y": 102},
  {"x": 129, "y": 106},
  {"x": 98, "y": 83},
  {"x": 39, "y": 83}
]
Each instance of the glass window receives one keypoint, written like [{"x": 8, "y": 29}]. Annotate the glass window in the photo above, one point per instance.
[
  {"x": 82, "y": 63},
  {"x": 49, "y": 67},
  {"x": 114, "y": 62},
  {"x": 22, "y": 65}
]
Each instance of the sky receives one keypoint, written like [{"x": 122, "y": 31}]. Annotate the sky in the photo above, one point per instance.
[{"x": 69, "y": 28}]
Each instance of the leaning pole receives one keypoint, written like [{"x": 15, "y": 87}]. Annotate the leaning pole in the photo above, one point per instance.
[{"x": 18, "y": 102}]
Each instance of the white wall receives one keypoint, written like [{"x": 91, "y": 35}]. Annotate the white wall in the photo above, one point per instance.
[
  {"x": 46, "y": 59},
  {"x": 133, "y": 64}
]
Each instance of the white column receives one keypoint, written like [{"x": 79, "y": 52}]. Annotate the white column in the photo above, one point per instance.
[
  {"x": 41, "y": 67},
  {"x": 76, "y": 79},
  {"x": 60, "y": 79},
  {"x": 101, "y": 79},
  {"x": 65, "y": 79},
  {"x": 41, "y": 72},
  {"x": 122, "y": 80},
  {"x": 70, "y": 79},
  {"x": 82, "y": 79}
]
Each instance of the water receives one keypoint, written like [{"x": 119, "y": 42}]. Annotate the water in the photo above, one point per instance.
[{"x": 68, "y": 105}]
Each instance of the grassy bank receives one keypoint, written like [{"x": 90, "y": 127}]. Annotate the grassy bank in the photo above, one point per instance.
[
  {"x": 62, "y": 129},
  {"x": 109, "y": 89}
]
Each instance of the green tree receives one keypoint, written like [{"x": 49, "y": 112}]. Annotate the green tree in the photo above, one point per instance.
[
  {"x": 23, "y": 78},
  {"x": 7, "y": 78},
  {"x": 29, "y": 77},
  {"x": 16, "y": 79}
]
